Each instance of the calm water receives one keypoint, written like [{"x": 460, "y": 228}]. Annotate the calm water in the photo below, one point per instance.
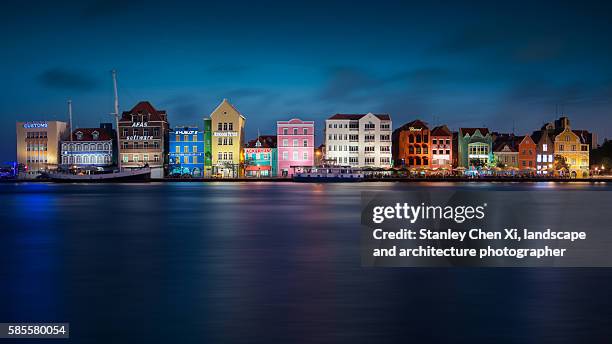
[{"x": 263, "y": 262}]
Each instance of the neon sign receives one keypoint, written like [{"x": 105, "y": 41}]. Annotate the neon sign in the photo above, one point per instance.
[
  {"x": 225, "y": 133},
  {"x": 30, "y": 125}
]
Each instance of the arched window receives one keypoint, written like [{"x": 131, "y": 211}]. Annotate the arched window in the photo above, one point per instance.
[
  {"x": 417, "y": 161},
  {"x": 78, "y": 159},
  {"x": 86, "y": 159},
  {"x": 100, "y": 146},
  {"x": 425, "y": 161},
  {"x": 411, "y": 149}
]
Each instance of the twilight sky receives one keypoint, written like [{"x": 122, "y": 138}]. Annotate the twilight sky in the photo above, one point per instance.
[{"x": 494, "y": 64}]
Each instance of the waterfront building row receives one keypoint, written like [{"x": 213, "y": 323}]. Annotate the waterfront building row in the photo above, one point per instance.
[{"x": 366, "y": 141}]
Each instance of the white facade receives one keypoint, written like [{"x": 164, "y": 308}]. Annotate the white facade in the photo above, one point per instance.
[{"x": 359, "y": 140}]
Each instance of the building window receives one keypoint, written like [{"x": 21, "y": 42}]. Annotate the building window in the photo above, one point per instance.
[
  {"x": 185, "y": 137},
  {"x": 186, "y": 159},
  {"x": 194, "y": 149},
  {"x": 295, "y": 131},
  {"x": 185, "y": 149},
  {"x": 177, "y": 149},
  {"x": 295, "y": 142},
  {"x": 305, "y": 131},
  {"x": 195, "y": 159},
  {"x": 125, "y": 158},
  {"x": 135, "y": 157},
  {"x": 156, "y": 132},
  {"x": 545, "y": 147},
  {"x": 305, "y": 143},
  {"x": 285, "y": 155},
  {"x": 219, "y": 126},
  {"x": 145, "y": 158},
  {"x": 220, "y": 156},
  {"x": 156, "y": 145},
  {"x": 305, "y": 156},
  {"x": 230, "y": 126},
  {"x": 146, "y": 145},
  {"x": 295, "y": 156},
  {"x": 224, "y": 126},
  {"x": 125, "y": 145}
]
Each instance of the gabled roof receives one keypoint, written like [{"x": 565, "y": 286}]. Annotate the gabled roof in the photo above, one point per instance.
[
  {"x": 441, "y": 130},
  {"x": 267, "y": 141},
  {"x": 142, "y": 108},
  {"x": 500, "y": 145},
  {"x": 226, "y": 102},
  {"x": 87, "y": 134},
  {"x": 384, "y": 117},
  {"x": 471, "y": 131},
  {"x": 414, "y": 124}
]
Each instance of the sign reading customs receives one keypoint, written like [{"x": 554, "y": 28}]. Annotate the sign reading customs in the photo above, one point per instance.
[{"x": 29, "y": 125}]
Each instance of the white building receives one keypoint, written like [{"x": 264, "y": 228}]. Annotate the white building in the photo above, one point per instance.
[{"x": 359, "y": 140}]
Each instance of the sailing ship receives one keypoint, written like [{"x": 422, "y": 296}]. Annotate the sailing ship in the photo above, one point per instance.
[{"x": 133, "y": 175}]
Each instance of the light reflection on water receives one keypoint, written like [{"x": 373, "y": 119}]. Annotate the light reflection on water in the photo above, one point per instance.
[{"x": 263, "y": 262}]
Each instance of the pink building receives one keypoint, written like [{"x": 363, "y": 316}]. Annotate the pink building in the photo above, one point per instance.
[{"x": 295, "y": 146}]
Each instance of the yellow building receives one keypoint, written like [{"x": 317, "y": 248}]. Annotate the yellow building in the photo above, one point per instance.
[
  {"x": 575, "y": 152},
  {"x": 227, "y": 126},
  {"x": 38, "y": 144}
]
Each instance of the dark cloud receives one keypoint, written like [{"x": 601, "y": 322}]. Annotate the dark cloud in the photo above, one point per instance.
[{"x": 60, "y": 78}]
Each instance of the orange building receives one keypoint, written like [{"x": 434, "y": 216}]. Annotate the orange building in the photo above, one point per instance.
[
  {"x": 411, "y": 145},
  {"x": 527, "y": 154}
]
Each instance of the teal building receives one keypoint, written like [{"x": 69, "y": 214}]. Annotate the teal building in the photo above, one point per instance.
[
  {"x": 474, "y": 148},
  {"x": 261, "y": 157}
]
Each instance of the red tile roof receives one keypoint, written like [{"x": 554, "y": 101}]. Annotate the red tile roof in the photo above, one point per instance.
[
  {"x": 87, "y": 134},
  {"x": 384, "y": 117},
  {"x": 144, "y": 107},
  {"x": 267, "y": 141},
  {"x": 441, "y": 130},
  {"x": 471, "y": 131}
]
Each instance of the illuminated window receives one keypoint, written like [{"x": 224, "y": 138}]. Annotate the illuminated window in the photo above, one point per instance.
[{"x": 545, "y": 147}]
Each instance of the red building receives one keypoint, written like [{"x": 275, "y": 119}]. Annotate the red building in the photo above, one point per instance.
[
  {"x": 411, "y": 145},
  {"x": 527, "y": 152}
]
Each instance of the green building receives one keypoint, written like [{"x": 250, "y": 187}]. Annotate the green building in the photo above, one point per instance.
[{"x": 207, "y": 147}]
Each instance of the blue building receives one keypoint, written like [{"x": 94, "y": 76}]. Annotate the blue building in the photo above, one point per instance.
[{"x": 186, "y": 152}]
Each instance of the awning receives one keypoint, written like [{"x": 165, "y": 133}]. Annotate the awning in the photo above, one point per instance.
[{"x": 258, "y": 168}]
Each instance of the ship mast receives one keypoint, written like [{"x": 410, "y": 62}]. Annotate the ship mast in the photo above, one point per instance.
[
  {"x": 116, "y": 114},
  {"x": 70, "y": 116}
]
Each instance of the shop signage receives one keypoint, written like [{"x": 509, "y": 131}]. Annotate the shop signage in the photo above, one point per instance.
[
  {"x": 136, "y": 137},
  {"x": 186, "y": 132},
  {"x": 415, "y": 129},
  {"x": 225, "y": 133},
  {"x": 257, "y": 150},
  {"x": 30, "y": 125},
  {"x": 140, "y": 124}
]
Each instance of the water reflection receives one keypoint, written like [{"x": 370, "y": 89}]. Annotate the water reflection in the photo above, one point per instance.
[{"x": 262, "y": 262}]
